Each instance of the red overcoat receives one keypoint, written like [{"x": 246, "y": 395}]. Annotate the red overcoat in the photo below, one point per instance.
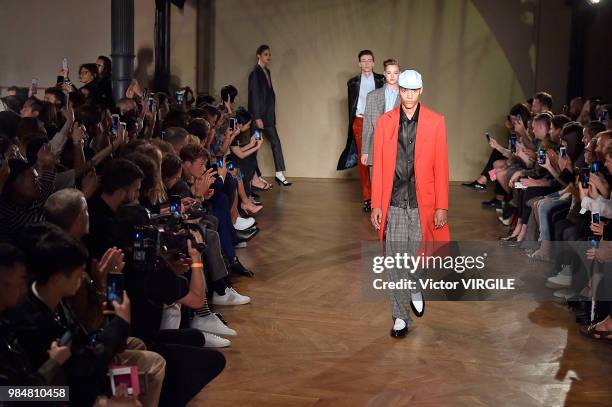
[{"x": 430, "y": 167}]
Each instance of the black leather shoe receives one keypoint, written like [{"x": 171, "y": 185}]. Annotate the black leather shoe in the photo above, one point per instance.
[
  {"x": 492, "y": 203},
  {"x": 399, "y": 333},
  {"x": 256, "y": 201},
  {"x": 246, "y": 235},
  {"x": 284, "y": 183},
  {"x": 254, "y": 195},
  {"x": 237, "y": 268},
  {"x": 476, "y": 186},
  {"x": 367, "y": 206}
]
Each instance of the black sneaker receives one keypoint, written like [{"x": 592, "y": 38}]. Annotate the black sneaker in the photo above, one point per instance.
[
  {"x": 476, "y": 186},
  {"x": 492, "y": 203}
]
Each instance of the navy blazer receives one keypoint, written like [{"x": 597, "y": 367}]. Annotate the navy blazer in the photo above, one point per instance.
[{"x": 262, "y": 100}]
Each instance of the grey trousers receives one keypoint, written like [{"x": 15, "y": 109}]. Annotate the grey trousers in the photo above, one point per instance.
[{"x": 403, "y": 235}]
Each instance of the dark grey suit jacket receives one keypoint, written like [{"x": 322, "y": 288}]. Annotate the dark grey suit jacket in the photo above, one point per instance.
[
  {"x": 375, "y": 107},
  {"x": 262, "y": 100}
]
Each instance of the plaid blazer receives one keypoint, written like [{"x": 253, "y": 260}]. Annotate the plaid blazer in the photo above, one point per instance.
[{"x": 375, "y": 107}]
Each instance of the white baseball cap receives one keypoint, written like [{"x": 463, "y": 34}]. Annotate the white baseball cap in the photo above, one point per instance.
[{"x": 410, "y": 79}]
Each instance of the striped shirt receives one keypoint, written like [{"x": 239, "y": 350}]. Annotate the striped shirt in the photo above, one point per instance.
[{"x": 14, "y": 215}]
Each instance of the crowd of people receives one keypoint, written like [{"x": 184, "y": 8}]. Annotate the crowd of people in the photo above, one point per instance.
[
  {"x": 120, "y": 227},
  {"x": 552, "y": 183}
]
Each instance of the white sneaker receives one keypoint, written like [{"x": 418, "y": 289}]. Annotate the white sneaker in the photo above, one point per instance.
[
  {"x": 212, "y": 324},
  {"x": 243, "y": 223},
  {"x": 564, "y": 293},
  {"x": 214, "y": 341},
  {"x": 562, "y": 279},
  {"x": 231, "y": 297}
]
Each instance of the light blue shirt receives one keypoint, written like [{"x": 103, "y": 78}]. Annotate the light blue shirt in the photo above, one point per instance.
[
  {"x": 367, "y": 85},
  {"x": 390, "y": 98}
]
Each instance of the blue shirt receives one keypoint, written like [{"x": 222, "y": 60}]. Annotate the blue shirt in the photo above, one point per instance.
[
  {"x": 366, "y": 86},
  {"x": 390, "y": 98}
]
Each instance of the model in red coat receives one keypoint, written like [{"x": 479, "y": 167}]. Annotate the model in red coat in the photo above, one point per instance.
[{"x": 409, "y": 188}]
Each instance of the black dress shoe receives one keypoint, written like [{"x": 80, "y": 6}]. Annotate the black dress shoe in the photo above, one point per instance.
[
  {"x": 492, "y": 203},
  {"x": 367, "y": 206},
  {"x": 237, "y": 268},
  {"x": 254, "y": 195},
  {"x": 246, "y": 235},
  {"x": 284, "y": 182},
  {"x": 476, "y": 186},
  {"x": 399, "y": 333},
  {"x": 256, "y": 201}
]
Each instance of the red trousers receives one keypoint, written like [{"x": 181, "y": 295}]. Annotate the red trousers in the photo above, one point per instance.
[{"x": 364, "y": 170}]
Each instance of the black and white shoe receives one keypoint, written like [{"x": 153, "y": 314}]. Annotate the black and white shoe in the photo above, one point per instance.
[
  {"x": 476, "y": 186},
  {"x": 400, "y": 328},
  {"x": 417, "y": 304}
]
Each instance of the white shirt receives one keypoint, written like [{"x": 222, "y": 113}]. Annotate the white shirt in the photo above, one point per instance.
[{"x": 367, "y": 85}]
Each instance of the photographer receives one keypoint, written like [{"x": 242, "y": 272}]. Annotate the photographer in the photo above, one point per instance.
[{"x": 160, "y": 284}]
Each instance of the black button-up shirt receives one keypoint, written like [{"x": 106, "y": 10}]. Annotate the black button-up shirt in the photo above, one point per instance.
[{"x": 404, "y": 186}]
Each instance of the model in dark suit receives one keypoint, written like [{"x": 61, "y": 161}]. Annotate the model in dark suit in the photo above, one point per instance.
[
  {"x": 351, "y": 155},
  {"x": 262, "y": 105}
]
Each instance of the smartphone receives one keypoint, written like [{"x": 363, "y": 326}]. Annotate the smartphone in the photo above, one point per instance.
[
  {"x": 563, "y": 152},
  {"x": 150, "y": 103},
  {"x": 513, "y": 143},
  {"x": 518, "y": 118},
  {"x": 565, "y": 109},
  {"x": 603, "y": 116},
  {"x": 179, "y": 95},
  {"x": 257, "y": 135},
  {"x": 114, "y": 288},
  {"x": 594, "y": 240},
  {"x": 65, "y": 64},
  {"x": 595, "y": 217},
  {"x": 488, "y": 137},
  {"x": 145, "y": 94},
  {"x": 163, "y": 135},
  {"x": 65, "y": 339},
  {"x": 584, "y": 177},
  {"x": 34, "y": 86},
  {"x": 233, "y": 123},
  {"x": 230, "y": 166},
  {"x": 541, "y": 156},
  {"x": 595, "y": 167},
  {"x": 219, "y": 162},
  {"x": 115, "y": 124},
  {"x": 175, "y": 204}
]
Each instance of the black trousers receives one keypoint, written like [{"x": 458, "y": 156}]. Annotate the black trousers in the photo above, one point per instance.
[
  {"x": 189, "y": 366},
  {"x": 277, "y": 151},
  {"x": 494, "y": 156}
]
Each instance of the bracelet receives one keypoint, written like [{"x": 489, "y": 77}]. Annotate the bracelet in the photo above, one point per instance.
[{"x": 197, "y": 265}]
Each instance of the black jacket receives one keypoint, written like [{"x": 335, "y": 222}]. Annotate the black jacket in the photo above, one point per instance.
[
  {"x": 15, "y": 366},
  {"x": 349, "y": 158},
  {"x": 86, "y": 369},
  {"x": 262, "y": 100}
]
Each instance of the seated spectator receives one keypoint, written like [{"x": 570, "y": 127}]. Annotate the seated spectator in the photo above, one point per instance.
[
  {"x": 16, "y": 367},
  {"x": 57, "y": 263},
  {"x": 24, "y": 193}
]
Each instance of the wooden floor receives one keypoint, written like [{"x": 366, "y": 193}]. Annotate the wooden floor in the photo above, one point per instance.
[{"x": 309, "y": 339}]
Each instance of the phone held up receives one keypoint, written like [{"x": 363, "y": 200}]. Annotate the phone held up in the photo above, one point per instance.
[{"x": 114, "y": 289}]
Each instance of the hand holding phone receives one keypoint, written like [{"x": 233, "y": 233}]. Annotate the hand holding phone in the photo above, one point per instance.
[
  {"x": 595, "y": 218},
  {"x": 115, "y": 124},
  {"x": 114, "y": 289}
]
